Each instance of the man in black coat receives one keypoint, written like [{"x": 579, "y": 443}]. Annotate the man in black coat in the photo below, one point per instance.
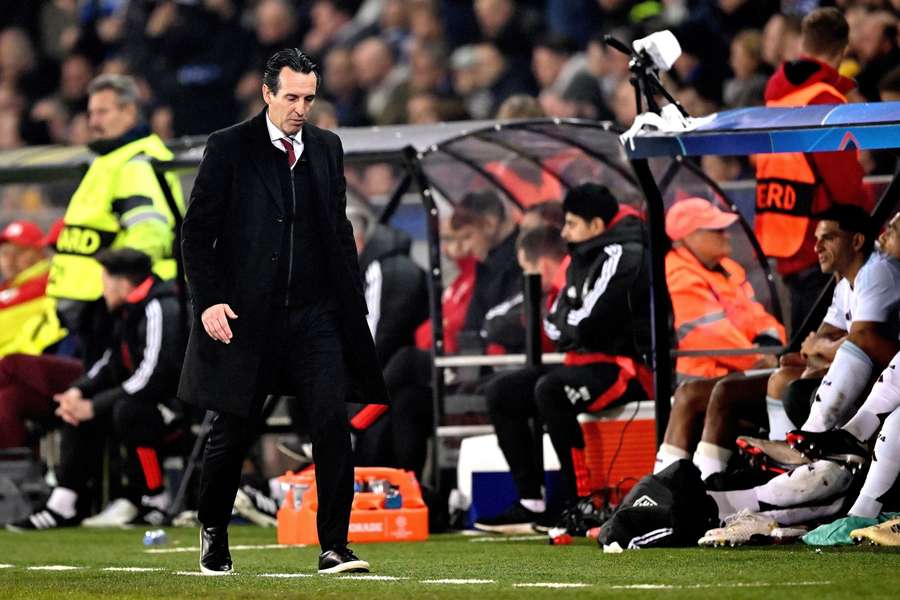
[{"x": 274, "y": 280}]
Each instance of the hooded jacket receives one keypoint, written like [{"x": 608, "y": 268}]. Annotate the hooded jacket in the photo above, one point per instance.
[
  {"x": 838, "y": 174},
  {"x": 605, "y": 304},
  {"x": 395, "y": 289},
  {"x": 143, "y": 360}
]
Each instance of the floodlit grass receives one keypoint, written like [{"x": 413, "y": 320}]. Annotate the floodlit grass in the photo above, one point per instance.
[{"x": 788, "y": 571}]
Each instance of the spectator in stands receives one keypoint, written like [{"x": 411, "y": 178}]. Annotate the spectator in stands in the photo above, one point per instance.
[
  {"x": 780, "y": 40},
  {"x": 623, "y": 104},
  {"x": 724, "y": 169},
  {"x": 877, "y": 51},
  {"x": 128, "y": 395},
  {"x": 341, "y": 88},
  {"x": 509, "y": 28},
  {"x": 324, "y": 115},
  {"x": 520, "y": 106},
  {"x": 397, "y": 298},
  {"x": 490, "y": 237},
  {"x": 119, "y": 203},
  {"x": 748, "y": 84},
  {"x": 378, "y": 74},
  {"x": 600, "y": 319},
  {"x": 332, "y": 25},
  {"x": 792, "y": 187}
]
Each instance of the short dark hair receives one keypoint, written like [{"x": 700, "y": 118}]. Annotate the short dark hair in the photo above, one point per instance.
[
  {"x": 825, "y": 32},
  {"x": 133, "y": 265},
  {"x": 483, "y": 204},
  {"x": 851, "y": 219},
  {"x": 295, "y": 60},
  {"x": 550, "y": 212},
  {"x": 590, "y": 201},
  {"x": 542, "y": 241}
]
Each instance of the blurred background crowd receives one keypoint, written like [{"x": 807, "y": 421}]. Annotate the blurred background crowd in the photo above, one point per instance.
[{"x": 401, "y": 61}]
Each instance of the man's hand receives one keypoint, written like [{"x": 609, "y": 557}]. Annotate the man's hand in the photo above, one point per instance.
[
  {"x": 73, "y": 408},
  {"x": 215, "y": 322},
  {"x": 808, "y": 347},
  {"x": 792, "y": 359}
]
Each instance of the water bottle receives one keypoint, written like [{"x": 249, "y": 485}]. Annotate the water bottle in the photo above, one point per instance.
[
  {"x": 393, "y": 499},
  {"x": 155, "y": 537}
]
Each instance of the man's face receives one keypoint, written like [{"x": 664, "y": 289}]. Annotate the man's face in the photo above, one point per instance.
[
  {"x": 115, "y": 290},
  {"x": 709, "y": 245},
  {"x": 834, "y": 247},
  {"x": 576, "y": 229},
  {"x": 107, "y": 117},
  {"x": 289, "y": 108},
  {"x": 889, "y": 241},
  {"x": 544, "y": 266},
  {"x": 9, "y": 254},
  {"x": 477, "y": 241}
]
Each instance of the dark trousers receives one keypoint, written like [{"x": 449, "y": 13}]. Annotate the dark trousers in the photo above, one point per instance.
[
  {"x": 557, "y": 395},
  {"x": 137, "y": 425},
  {"x": 303, "y": 358},
  {"x": 27, "y": 386},
  {"x": 399, "y": 438}
]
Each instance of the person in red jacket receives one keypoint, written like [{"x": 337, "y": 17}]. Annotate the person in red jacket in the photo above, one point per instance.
[{"x": 792, "y": 188}]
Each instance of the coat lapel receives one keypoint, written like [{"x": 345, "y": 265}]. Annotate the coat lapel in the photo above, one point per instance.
[
  {"x": 261, "y": 156},
  {"x": 314, "y": 151}
]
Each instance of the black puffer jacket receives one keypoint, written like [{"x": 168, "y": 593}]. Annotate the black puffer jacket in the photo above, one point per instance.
[
  {"x": 605, "y": 306},
  {"x": 395, "y": 288},
  {"x": 143, "y": 359}
]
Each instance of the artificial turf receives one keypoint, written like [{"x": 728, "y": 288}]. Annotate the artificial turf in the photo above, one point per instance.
[{"x": 754, "y": 572}]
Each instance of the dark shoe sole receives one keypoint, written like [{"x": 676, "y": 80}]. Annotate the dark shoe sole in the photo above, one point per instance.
[{"x": 353, "y": 566}]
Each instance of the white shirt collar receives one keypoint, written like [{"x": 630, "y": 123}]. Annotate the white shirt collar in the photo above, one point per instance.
[{"x": 276, "y": 135}]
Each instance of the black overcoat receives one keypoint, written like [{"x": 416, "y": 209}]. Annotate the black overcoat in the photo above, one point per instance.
[{"x": 231, "y": 237}]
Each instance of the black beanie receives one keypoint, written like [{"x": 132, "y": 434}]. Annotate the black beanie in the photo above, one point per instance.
[{"x": 590, "y": 200}]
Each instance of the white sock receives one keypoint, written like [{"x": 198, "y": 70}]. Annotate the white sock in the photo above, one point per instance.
[
  {"x": 883, "y": 400},
  {"x": 817, "y": 481},
  {"x": 884, "y": 468},
  {"x": 667, "y": 455},
  {"x": 62, "y": 502},
  {"x": 840, "y": 389},
  {"x": 159, "y": 500},
  {"x": 710, "y": 458},
  {"x": 779, "y": 422},
  {"x": 535, "y": 506}
]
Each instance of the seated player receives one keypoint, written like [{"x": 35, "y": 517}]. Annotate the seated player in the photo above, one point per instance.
[
  {"x": 600, "y": 319},
  {"x": 128, "y": 395}
]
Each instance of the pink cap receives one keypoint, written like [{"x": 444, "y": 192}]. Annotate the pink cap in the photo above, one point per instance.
[
  {"x": 22, "y": 233},
  {"x": 689, "y": 215}
]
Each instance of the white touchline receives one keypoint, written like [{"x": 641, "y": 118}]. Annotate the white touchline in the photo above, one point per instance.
[
  {"x": 551, "y": 585},
  {"x": 189, "y": 573},
  {"x": 238, "y": 547},
  {"x": 508, "y": 538},
  {"x": 53, "y": 568},
  {"x": 643, "y": 586},
  {"x": 694, "y": 586},
  {"x": 133, "y": 569},
  {"x": 457, "y": 581},
  {"x": 285, "y": 575},
  {"x": 6, "y": 566},
  {"x": 373, "y": 577}
]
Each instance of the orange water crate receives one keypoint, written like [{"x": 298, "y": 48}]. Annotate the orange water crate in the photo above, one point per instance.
[
  {"x": 637, "y": 454},
  {"x": 370, "y": 521}
]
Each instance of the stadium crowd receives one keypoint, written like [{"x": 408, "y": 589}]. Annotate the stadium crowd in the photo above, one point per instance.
[{"x": 196, "y": 66}]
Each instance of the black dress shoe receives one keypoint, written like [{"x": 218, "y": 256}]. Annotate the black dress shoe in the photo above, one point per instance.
[
  {"x": 214, "y": 556},
  {"x": 341, "y": 560}
]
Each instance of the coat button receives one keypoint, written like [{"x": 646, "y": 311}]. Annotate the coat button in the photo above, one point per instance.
[
  {"x": 280, "y": 219},
  {"x": 274, "y": 257}
]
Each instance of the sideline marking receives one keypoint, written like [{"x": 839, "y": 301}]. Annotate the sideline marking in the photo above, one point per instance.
[
  {"x": 189, "y": 573},
  {"x": 53, "y": 568},
  {"x": 6, "y": 566},
  {"x": 508, "y": 538},
  {"x": 643, "y": 586},
  {"x": 133, "y": 569},
  {"x": 238, "y": 547},
  {"x": 285, "y": 575},
  {"x": 372, "y": 577},
  {"x": 457, "y": 581},
  {"x": 551, "y": 585},
  {"x": 750, "y": 584}
]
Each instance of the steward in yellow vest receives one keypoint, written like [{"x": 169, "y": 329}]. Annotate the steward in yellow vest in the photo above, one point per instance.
[{"x": 119, "y": 203}]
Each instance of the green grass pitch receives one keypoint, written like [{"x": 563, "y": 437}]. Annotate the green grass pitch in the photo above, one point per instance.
[{"x": 446, "y": 566}]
